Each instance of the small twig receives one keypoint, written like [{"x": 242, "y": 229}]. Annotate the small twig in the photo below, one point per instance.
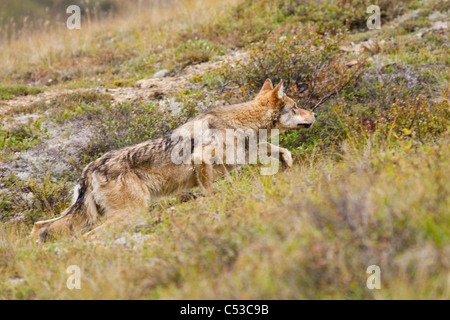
[{"x": 223, "y": 87}]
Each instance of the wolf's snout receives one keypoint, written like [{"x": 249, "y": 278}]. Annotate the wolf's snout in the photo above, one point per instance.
[{"x": 315, "y": 115}]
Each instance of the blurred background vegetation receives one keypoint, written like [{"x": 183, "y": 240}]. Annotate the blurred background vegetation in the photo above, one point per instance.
[{"x": 16, "y": 15}]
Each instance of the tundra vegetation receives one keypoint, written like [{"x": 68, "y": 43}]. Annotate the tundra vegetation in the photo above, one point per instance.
[{"x": 369, "y": 184}]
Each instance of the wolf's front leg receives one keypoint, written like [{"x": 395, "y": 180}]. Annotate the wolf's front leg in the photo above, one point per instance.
[
  {"x": 285, "y": 158},
  {"x": 283, "y": 154},
  {"x": 204, "y": 170},
  {"x": 223, "y": 171},
  {"x": 205, "y": 176}
]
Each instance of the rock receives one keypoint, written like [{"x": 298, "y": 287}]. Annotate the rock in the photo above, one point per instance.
[
  {"x": 217, "y": 58},
  {"x": 29, "y": 198},
  {"x": 373, "y": 46},
  {"x": 122, "y": 241},
  {"x": 16, "y": 281},
  {"x": 437, "y": 15},
  {"x": 161, "y": 73},
  {"x": 439, "y": 25}
]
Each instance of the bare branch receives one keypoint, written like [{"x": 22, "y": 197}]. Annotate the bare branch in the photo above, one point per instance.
[
  {"x": 337, "y": 89},
  {"x": 224, "y": 86}
]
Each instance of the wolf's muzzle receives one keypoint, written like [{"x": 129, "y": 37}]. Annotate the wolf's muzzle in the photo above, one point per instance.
[{"x": 304, "y": 125}]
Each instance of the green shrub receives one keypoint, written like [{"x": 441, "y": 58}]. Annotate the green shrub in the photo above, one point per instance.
[
  {"x": 309, "y": 63},
  {"x": 196, "y": 51},
  {"x": 21, "y": 137},
  {"x": 334, "y": 15},
  {"x": 416, "y": 119},
  {"x": 9, "y": 92},
  {"x": 34, "y": 199}
]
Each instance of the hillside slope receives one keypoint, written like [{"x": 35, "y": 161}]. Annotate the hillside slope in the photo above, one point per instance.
[{"x": 368, "y": 185}]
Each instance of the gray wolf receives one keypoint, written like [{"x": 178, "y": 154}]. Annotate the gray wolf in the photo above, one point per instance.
[{"x": 122, "y": 182}]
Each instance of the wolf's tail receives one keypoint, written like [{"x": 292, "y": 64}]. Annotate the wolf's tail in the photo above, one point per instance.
[{"x": 82, "y": 214}]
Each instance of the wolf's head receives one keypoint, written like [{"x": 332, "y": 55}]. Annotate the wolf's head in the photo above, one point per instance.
[{"x": 290, "y": 116}]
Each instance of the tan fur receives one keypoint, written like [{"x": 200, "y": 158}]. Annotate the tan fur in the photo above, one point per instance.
[{"x": 122, "y": 182}]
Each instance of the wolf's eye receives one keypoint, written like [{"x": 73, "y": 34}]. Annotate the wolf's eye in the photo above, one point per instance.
[{"x": 295, "y": 107}]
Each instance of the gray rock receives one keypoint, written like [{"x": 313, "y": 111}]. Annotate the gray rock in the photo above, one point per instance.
[
  {"x": 439, "y": 25},
  {"x": 16, "y": 281},
  {"x": 161, "y": 73},
  {"x": 217, "y": 58},
  {"x": 437, "y": 15}
]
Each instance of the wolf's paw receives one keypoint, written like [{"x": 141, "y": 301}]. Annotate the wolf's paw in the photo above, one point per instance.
[
  {"x": 90, "y": 237},
  {"x": 286, "y": 159},
  {"x": 40, "y": 231},
  {"x": 210, "y": 192}
]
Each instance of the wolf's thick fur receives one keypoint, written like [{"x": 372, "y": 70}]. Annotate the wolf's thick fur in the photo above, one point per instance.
[{"x": 122, "y": 182}]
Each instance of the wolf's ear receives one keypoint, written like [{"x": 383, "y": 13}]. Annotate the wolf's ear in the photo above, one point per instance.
[
  {"x": 267, "y": 85},
  {"x": 279, "y": 90}
]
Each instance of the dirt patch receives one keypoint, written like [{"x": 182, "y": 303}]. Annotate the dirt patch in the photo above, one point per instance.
[
  {"x": 144, "y": 90},
  {"x": 63, "y": 146}
]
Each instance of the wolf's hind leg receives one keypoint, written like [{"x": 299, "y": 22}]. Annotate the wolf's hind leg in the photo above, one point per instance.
[
  {"x": 225, "y": 173},
  {"x": 63, "y": 226},
  {"x": 117, "y": 219},
  {"x": 122, "y": 201},
  {"x": 205, "y": 176}
]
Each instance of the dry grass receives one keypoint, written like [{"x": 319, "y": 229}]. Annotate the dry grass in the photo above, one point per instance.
[
  {"x": 57, "y": 54},
  {"x": 310, "y": 232}
]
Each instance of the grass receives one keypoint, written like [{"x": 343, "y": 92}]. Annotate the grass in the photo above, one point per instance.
[
  {"x": 129, "y": 46},
  {"x": 326, "y": 221},
  {"x": 139, "y": 42},
  {"x": 9, "y": 92},
  {"x": 21, "y": 137},
  {"x": 368, "y": 186},
  {"x": 72, "y": 105}
]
